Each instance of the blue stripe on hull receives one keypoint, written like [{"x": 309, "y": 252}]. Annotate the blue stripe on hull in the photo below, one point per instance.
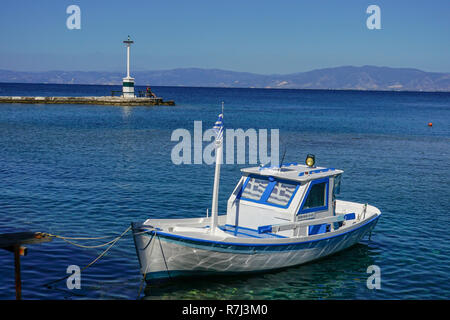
[
  {"x": 253, "y": 247},
  {"x": 243, "y": 232}
]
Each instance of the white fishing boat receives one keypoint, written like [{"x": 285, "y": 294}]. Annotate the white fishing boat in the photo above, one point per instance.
[{"x": 276, "y": 217}]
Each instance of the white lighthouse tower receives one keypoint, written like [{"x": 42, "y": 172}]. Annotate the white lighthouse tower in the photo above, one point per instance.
[{"x": 128, "y": 82}]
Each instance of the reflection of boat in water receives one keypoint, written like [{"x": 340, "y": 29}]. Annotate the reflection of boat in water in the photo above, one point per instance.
[{"x": 276, "y": 217}]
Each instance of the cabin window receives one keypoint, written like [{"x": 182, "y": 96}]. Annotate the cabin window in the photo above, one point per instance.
[
  {"x": 282, "y": 193},
  {"x": 255, "y": 188},
  {"x": 269, "y": 191},
  {"x": 316, "y": 196}
]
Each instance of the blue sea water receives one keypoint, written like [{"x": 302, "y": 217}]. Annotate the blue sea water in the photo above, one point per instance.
[{"x": 84, "y": 170}]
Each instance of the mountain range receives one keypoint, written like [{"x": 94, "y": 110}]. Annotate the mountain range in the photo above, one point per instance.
[{"x": 338, "y": 78}]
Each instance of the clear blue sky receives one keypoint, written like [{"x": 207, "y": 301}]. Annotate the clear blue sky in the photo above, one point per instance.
[{"x": 241, "y": 35}]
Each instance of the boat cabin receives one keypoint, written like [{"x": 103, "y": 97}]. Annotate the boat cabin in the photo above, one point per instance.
[{"x": 267, "y": 197}]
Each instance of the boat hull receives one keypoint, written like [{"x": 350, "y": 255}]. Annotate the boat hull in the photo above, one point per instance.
[{"x": 166, "y": 256}]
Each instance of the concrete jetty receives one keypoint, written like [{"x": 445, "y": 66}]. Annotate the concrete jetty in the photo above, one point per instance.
[{"x": 105, "y": 100}]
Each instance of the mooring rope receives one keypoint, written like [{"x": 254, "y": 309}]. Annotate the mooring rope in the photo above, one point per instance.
[
  {"x": 66, "y": 239},
  {"x": 111, "y": 244},
  {"x": 76, "y": 238},
  {"x": 89, "y": 247}
]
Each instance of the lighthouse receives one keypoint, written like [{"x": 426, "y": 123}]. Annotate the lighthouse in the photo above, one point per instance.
[{"x": 128, "y": 82}]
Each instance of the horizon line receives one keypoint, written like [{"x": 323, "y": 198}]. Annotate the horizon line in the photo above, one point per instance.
[
  {"x": 229, "y": 70},
  {"x": 252, "y": 88}
]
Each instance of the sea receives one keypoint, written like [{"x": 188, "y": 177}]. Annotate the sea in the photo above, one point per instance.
[{"x": 88, "y": 171}]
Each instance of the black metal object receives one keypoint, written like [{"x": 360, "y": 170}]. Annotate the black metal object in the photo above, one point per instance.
[
  {"x": 113, "y": 92},
  {"x": 14, "y": 242}
]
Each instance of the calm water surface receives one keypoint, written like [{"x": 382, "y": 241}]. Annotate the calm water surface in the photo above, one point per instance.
[{"x": 82, "y": 170}]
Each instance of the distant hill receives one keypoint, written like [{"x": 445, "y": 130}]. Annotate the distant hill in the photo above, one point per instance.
[{"x": 345, "y": 77}]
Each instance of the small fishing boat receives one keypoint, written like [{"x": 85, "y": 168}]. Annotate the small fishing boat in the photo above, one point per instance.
[{"x": 276, "y": 217}]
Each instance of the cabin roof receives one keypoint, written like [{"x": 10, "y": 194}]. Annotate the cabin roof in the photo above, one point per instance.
[{"x": 293, "y": 171}]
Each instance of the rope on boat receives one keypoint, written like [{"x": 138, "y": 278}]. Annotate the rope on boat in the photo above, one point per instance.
[
  {"x": 110, "y": 243},
  {"x": 152, "y": 242},
  {"x": 144, "y": 274},
  {"x": 165, "y": 262}
]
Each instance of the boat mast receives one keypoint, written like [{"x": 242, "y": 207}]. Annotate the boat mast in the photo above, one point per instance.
[{"x": 218, "y": 127}]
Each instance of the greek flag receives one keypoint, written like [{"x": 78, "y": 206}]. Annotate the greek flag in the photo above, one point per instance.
[{"x": 218, "y": 128}]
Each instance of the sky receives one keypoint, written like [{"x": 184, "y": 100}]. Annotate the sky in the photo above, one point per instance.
[{"x": 265, "y": 37}]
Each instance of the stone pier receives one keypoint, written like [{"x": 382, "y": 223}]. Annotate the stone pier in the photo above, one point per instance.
[{"x": 106, "y": 100}]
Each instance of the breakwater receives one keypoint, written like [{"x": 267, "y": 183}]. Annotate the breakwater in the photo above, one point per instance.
[{"x": 106, "y": 100}]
